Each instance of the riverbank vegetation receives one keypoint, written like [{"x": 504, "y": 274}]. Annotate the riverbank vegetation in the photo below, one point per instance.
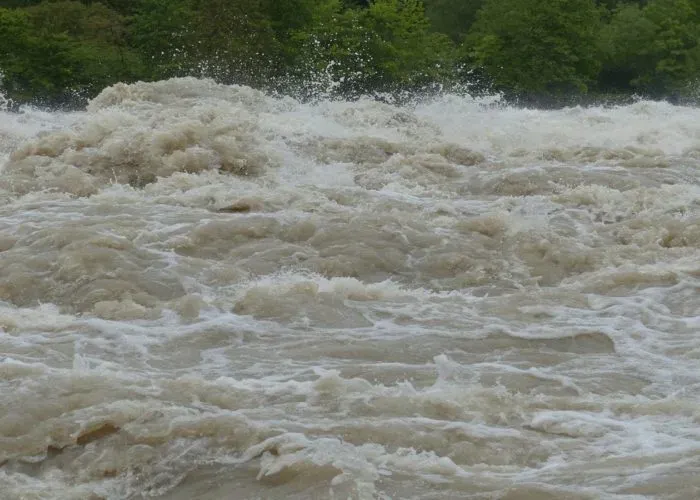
[{"x": 62, "y": 52}]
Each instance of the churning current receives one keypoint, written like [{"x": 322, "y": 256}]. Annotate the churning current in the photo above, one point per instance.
[{"x": 210, "y": 293}]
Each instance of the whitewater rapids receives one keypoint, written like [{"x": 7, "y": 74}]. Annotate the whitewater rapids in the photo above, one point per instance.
[{"x": 210, "y": 293}]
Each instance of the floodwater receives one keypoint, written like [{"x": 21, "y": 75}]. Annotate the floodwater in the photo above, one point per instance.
[{"x": 210, "y": 293}]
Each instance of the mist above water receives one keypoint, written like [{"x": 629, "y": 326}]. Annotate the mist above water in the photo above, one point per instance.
[{"x": 207, "y": 292}]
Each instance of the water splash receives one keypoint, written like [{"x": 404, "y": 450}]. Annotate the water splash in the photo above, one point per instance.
[{"x": 206, "y": 289}]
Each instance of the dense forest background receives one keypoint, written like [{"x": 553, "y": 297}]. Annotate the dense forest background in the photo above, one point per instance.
[{"x": 551, "y": 51}]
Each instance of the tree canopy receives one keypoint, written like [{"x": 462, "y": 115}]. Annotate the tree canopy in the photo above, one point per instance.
[
  {"x": 541, "y": 46},
  {"x": 65, "y": 51}
]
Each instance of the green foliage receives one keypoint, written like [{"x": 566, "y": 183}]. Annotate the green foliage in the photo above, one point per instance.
[
  {"x": 10, "y": 4},
  {"x": 655, "y": 49},
  {"x": 162, "y": 32},
  {"x": 60, "y": 51},
  {"x": 235, "y": 41},
  {"x": 30, "y": 64},
  {"x": 452, "y": 17},
  {"x": 404, "y": 48},
  {"x": 57, "y": 51},
  {"x": 624, "y": 46},
  {"x": 245, "y": 42},
  {"x": 536, "y": 46},
  {"x": 353, "y": 4},
  {"x": 78, "y": 20},
  {"x": 334, "y": 49},
  {"x": 388, "y": 45},
  {"x": 122, "y": 6}
]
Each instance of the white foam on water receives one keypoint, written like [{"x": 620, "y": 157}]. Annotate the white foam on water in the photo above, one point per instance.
[{"x": 207, "y": 292}]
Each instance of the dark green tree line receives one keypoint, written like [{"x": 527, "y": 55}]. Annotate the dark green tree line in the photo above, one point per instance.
[{"x": 64, "y": 51}]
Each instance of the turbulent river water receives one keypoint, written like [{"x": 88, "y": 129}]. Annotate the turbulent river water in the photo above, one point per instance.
[{"x": 210, "y": 293}]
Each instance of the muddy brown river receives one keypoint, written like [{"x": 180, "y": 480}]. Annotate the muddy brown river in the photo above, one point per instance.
[{"x": 210, "y": 293}]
